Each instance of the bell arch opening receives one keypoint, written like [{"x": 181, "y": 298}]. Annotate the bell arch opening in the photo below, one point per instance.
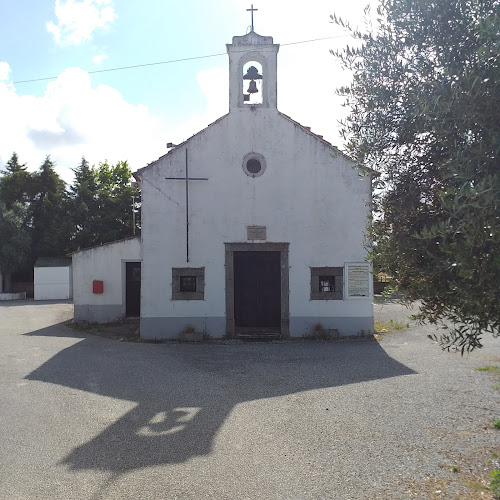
[{"x": 253, "y": 83}]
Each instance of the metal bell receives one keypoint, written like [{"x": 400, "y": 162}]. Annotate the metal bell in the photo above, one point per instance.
[
  {"x": 252, "y": 88},
  {"x": 252, "y": 74}
]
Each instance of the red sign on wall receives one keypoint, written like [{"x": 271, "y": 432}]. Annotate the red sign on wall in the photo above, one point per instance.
[{"x": 97, "y": 286}]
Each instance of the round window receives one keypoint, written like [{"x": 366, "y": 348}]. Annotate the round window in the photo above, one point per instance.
[{"x": 254, "y": 164}]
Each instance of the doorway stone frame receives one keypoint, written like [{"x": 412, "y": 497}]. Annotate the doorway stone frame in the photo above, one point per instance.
[{"x": 230, "y": 248}]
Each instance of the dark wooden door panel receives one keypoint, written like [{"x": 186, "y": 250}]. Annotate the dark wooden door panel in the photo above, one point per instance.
[
  {"x": 257, "y": 289},
  {"x": 133, "y": 289},
  {"x": 269, "y": 290}
]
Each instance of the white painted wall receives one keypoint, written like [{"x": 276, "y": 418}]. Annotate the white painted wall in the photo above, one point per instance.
[
  {"x": 309, "y": 197},
  {"x": 316, "y": 203},
  {"x": 52, "y": 283},
  {"x": 105, "y": 263}
]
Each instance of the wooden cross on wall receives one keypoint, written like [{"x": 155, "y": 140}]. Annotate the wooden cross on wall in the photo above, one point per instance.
[{"x": 186, "y": 179}]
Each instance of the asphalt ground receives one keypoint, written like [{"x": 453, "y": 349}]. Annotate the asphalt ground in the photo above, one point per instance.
[{"x": 85, "y": 417}]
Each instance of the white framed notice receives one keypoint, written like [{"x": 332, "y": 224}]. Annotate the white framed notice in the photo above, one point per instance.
[{"x": 358, "y": 280}]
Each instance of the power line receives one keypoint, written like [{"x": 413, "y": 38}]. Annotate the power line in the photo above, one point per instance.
[
  {"x": 315, "y": 40},
  {"x": 170, "y": 61},
  {"x": 124, "y": 67}
]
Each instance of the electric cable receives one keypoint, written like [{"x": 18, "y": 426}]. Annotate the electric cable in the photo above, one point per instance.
[{"x": 170, "y": 61}]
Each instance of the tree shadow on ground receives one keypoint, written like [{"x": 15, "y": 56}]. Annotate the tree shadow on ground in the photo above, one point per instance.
[
  {"x": 59, "y": 330},
  {"x": 185, "y": 392}
]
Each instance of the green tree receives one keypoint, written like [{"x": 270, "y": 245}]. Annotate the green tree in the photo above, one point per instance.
[
  {"x": 84, "y": 206},
  {"x": 16, "y": 186},
  {"x": 101, "y": 200},
  {"x": 16, "y": 183},
  {"x": 115, "y": 200},
  {"x": 424, "y": 112},
  {"x": 14, "y": 241},
  {"x": 49, "y": 218}
]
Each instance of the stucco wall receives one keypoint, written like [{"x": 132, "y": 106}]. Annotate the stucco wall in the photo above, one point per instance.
[
  {"x": 317, "y": 203},
  {"x": 51, "y": 283},
  {"x": 105, "y": 263}
]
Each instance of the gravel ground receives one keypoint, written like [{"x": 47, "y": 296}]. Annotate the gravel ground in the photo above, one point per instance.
[{"x": 85, "y": 417}]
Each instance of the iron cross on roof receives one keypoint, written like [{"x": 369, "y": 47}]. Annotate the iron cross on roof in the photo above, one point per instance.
[{"x": 252, "y": 10}]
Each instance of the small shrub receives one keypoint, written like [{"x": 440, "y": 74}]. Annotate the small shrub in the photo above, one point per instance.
[
  {"x": 452, "y": 468},
  {"x": 320, "y": 333},
  {"x": 390, "y": 327},
  {"x": 476, "y": 486},
  {"x": 189, "y": 334},
  {"x": 82, "y": 326},
  {"x": 488, "y": 368},
  {"x": 398, "y": 326},
  {"x": 495, "y": 478}
]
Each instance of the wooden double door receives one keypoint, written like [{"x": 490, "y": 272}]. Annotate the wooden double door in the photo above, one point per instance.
[{"x": 257, "y": 289}]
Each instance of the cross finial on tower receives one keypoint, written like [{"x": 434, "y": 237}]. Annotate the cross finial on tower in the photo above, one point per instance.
[{"x": 252, "y": 10}]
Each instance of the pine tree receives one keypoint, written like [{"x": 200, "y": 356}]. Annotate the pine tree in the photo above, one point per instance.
[
  {"x": 50, "y": 222},
  {"x": 16, "y": 183},
  {"x": 84, "y": 207}
]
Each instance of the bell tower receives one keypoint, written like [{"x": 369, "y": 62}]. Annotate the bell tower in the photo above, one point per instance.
[{"x": 252, "y": 71}]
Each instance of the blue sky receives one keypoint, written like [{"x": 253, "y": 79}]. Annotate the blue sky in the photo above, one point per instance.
[{"x": 131, "y": 114}]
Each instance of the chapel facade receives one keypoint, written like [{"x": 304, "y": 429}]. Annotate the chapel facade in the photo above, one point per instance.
[{"x": 255, "y": 225}]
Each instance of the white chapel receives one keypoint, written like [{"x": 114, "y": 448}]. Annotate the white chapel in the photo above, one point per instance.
[{"x": 252, "y": 227}]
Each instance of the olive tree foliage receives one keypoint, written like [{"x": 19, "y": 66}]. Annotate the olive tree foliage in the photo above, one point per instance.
[{"x": 425, "y": 114}]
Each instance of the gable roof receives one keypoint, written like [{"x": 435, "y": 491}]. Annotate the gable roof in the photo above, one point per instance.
[
  {"x": 149, "y": 165},
  {"x": 307, "y": 130},
  {"x": 105, "y": 244}
]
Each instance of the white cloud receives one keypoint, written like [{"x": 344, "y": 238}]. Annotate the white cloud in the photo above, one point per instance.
[
  {"x": 78, "y": 19},
  {"x": 4, "y": 71},
  {"x": 214, "y": 84},
  {"x": 74, "y": 119},
  {"x": 99, "y": 58},
  {"x": 307, "y": 92}
]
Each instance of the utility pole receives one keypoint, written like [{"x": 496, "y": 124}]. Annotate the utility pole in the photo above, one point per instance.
[{"x": 133, "y": 213}]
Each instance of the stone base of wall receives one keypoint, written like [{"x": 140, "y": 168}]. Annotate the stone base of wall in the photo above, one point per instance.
[
  {"x": 13, "y": 296},
  {"x": 304, "y": 326},
  {"x": 98, "y": 313},
  {"x": 215, "y": 327},
  {"x": 171, "y": 328}
]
